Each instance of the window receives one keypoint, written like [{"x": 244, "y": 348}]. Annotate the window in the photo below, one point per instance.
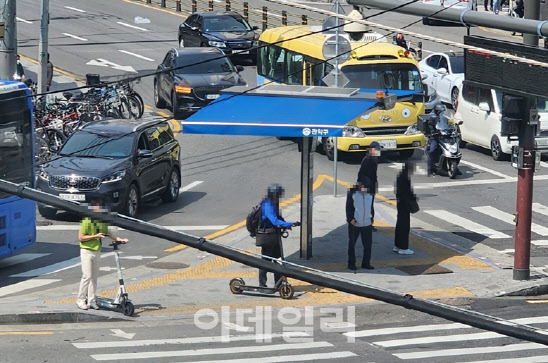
[
  {"x": 470, "y": 93},
  {"x": 485, "y": 96},
  {"x": 142, "y": 144},
  {"x": 191, "y": 19},
  {"x": 202, "y": 63},
  {"x": 93, "y": 143},
  {"x": 370, "y": 76},
  {"x": 443, "y": 63},
  {"x": 166, "y": 135},
  {"x": 295, "y": 67},
  {"x": 433, "y": 61},
  {"x": 153, "y": 138}
]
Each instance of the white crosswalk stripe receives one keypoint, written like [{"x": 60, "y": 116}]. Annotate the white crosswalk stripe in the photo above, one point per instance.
[
  {"x": 422, "y": 343},
  {"x": 266, "y": 345},
  {"x": 509, "y": 218},
  {"x": 467, "y": 224}
]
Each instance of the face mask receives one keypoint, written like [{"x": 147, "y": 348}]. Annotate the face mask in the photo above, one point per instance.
[
  {"x": 377, "y": 153},
  {"x": 18, "y": 61},
  {"x": 363, "y": 189}
]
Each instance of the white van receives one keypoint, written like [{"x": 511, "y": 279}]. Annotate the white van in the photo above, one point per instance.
[{"x": 480, "y": 110}]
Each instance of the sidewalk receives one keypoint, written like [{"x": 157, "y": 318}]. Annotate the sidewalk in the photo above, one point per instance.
[{"x": 444, "y": 266}]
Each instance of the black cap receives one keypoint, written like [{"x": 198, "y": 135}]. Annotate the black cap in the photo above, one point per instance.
[{"x": 376, "y": 145}]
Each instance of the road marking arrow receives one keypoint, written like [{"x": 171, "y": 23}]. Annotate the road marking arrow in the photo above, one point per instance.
[
  {"x": 122, "y": 334},
  {"x": 137, "y": 257},
  {"x": 105, "y": 63}
]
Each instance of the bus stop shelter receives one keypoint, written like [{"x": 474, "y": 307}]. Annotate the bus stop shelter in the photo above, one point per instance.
[{"x": 285, "y": 111}]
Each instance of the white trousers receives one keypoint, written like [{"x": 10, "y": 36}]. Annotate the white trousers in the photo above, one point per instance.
[{"x": 90, "y": 272}]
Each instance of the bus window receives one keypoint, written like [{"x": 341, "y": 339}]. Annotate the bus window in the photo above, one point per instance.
[
  {"x": 406, "y": 76},
  {"x": 295, "y": 67}
]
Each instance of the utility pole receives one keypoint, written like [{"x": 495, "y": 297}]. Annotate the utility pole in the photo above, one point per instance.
[
  {"x": 524, "y": 197},
  {"x": 43, "y": 48},
  {"x": 335, "y": 139},
  {"x": 8, "y": 47}
]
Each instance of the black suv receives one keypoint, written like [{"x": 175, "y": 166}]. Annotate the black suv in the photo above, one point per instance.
[
  {"x": 190, "y": 78},
  {"x": 120, "y": 161},
  {"x": 228, "y": 31}
]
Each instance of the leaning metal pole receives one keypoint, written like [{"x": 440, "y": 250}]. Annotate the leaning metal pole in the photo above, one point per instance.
[
  {"x": 408, "y": 301},
  {"x": 8, "y": 46}
]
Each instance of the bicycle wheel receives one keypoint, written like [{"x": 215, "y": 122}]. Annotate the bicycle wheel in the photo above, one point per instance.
[
  {"x": 55, "y": 138},
  {"x": 135, "y": 107},
  {"x": 125, "y": 108}
]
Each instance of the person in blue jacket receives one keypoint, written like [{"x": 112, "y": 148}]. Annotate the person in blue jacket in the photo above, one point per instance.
[{"x": 269, "y": 233}]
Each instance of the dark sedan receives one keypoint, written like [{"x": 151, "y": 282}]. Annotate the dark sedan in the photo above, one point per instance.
[
  {"x": 228, "y": 31},
  {"x": 188, "y": 79},
  {"x": 119, "y": 161}
]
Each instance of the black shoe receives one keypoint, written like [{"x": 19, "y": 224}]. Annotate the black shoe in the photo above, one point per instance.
[
  {"x": 352, "y": 267},
  {"x": 262, "y": 285},
  {"x": 367, "y": 267}
]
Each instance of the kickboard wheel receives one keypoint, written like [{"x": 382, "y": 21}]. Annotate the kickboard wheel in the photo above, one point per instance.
[
  {"x": 129, "y": 309},
  {"x": 235, "y": 285},
  {"x": 286, "y": 291}
]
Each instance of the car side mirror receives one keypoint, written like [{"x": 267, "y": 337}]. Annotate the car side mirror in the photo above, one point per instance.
[
  {"x": 255, "y": 27},
  {"x": 442, "y": 71},
  {"x": 144, "y": 154},
  {"x": 460, "y": 123},
  {"x": 193, "y": 28},
  {"x": 484, "y": 106},
  {"x": 239, "y": 68}
]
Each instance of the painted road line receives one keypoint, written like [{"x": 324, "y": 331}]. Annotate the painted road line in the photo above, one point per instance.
[
  {"x": 75, "y": 37},
  {"x": 56, "y": 267},
  {"x": 491, "y": 171},
  {"x": 508, "y": 250},
  {"x": 22, "y": 258},
  {"x": 26, "y": 332},
  {"x": 285, "y": 358},
  {"x": 192, "y": 340},
  {"x": 190, "y": 186},
  {"x": 540, "y": 242},
  {"x": 137, "y": 55},
  {"x": 544, "y": 164},
  {"x": 206, "y": 351},
  {"x": 74, "y": 227},
  {"x": 467, "y": 224},
  {"x": 236, "y": 327},
  {"x": 75, "y": 9},
  {"x": 541, "y": 209},
  {"x": 535, "y": 359},
  {"x": 438, "y": 339},
  {"x": 25, "y": 285},
  {"x": 467, "y": 351},
  {"x": 182, "y": 14},
  {"x": 131, "y": 26},
  {"x": 23, "y": 20},
  {"x": 404, "y": 329},
  {"x": 509, "y": 218}
]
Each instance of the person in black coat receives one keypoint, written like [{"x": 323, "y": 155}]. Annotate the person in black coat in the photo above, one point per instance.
[
  {"x": 367, "y": 175},
  {"x": 404, "y": 193}
]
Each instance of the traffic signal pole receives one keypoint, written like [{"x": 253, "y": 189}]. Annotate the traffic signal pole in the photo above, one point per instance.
[
  {"x": 524, "y": 198},
  {"x": 8, "y": 46}
]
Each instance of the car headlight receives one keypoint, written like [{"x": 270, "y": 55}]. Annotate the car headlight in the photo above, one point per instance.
[
  {"x": 255, "y": 43},
  {"x": 352, "y": 131},
  {"x": 114, "y": 177},
  {"x": 215, "y": 43},
  {"x": 412, "y": 130},
  {"x": 432, "y": 97},
  {"x": 43, "y": 175}
]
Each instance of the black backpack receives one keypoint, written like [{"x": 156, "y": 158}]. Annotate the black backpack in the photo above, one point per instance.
[{"x": 254, "y": 219}]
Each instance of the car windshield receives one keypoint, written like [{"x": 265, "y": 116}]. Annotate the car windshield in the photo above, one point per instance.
[
  {"x": 95, "y": 144},
  {"x": 542, "y": 105},
  {"x": 406, "y": 76},
  {"x": 457, "y": 64},
  {"x": 226, "y": 23},
  {"x": 203, "y": 63}
]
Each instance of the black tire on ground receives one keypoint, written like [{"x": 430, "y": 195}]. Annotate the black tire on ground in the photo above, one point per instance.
[
  {"x": 158, "y": 100},
  {"x": 425, "y": 21},
  {"x": 172, "y": 191},
  {"x": 496, "y": 151},
  {"x": 133, "y": 201},
  {"x": 141, "y": 103},
  {"x": 454, "y": 97},
  {"x": 47, "y": 212},
  {"x": 174, "y": 107},
  {"x": 452, "y": 168},
  {"x": 406, "y": 154}
]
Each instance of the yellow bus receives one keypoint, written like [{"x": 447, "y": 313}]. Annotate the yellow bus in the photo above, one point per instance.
[{"x": 291, "y": 55}]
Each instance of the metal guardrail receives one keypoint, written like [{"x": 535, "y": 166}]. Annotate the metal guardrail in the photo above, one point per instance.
[{"x": 260, "y": 16}]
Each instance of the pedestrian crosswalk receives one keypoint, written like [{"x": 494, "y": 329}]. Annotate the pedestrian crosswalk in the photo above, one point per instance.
[
  {"x": 454, "y": 342},
  {"x": 490, "y": 222},
  {"x": 220, "y": 349}
]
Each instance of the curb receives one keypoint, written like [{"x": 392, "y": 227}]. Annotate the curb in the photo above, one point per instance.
[
  {"x": 528, "y": 291},
  {"x": 57, "y": 317}
]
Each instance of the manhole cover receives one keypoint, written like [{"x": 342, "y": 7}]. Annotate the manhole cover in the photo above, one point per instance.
[
  {"x": 167, "y": 265},
  {"x": 424, "y": 270}
]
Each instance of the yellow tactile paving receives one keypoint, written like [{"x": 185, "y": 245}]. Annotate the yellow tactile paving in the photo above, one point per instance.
[{"x": 26, "y": 333}]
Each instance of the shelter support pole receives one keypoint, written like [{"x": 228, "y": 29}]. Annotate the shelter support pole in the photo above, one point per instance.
[
  {"x": 531, "y": 11},
  {"x": 8, "y": 46},
  {"x": 43, "y": 48},
  {"x": 307, "y": 176}
]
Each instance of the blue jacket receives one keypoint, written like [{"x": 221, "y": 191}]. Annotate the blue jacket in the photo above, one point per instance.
[{"x": 271, "y": 216}]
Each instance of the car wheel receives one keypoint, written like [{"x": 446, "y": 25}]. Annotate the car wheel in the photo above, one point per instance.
[
  {"x": 425, "y": 21},
  {"x": 158, "y": 101},
  {"x": 47, "y": 212},
  {"x": 181, "y": 43},
  {"x": 454, "y": 97},
  {"x": 496, "y": 151},
  {"x": 329, "y": 149},
  {"x": 132, "y": 201},
  {"x": 175, "y": 106},
  {"x": 172, "y": 191},
  {"x": 406, "y": 154}
]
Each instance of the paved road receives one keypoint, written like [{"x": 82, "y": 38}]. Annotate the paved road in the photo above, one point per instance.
[
  {"x": 224, "y": 176},
  {"x": 373, "y": 332}
]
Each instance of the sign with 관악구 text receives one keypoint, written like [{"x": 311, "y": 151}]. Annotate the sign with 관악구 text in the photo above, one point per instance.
[{"x": 505, "y": 74}]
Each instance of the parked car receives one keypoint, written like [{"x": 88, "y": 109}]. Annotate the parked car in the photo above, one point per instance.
[
  {"x": 120, "y": 161},
  {"x": 227, "y": 30},
  {"x": 451, "y": 4},
  {"x": 188, "y": 79},
  {"x": 445, "y": 74},
  {"x": 480, "y": 110}
]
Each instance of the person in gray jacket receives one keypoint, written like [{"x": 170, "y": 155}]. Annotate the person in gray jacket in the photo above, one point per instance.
[{"x": 358, "y": 216}]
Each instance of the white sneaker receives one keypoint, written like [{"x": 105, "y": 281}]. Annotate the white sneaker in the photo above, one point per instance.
[
  {"x": 396, "y": 249},
  {"x": 406, "y": 252},
  {"x": 82, "y": 305}
]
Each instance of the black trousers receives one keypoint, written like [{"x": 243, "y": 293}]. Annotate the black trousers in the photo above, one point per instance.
[
  {"x": 366, "y": 234},
  {"x": 403, "y": 224},
  {"x": 272, "y": 250}
]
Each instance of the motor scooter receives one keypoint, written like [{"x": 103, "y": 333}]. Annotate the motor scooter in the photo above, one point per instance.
[
  {"x": 237, "y": 285},
  {"x": 448, "y": 155}
]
